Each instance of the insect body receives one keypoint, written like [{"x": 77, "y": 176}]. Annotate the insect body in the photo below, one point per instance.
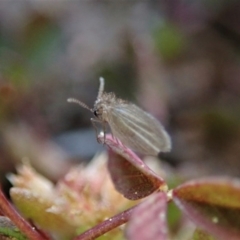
[{"x": 134, "y": 127}]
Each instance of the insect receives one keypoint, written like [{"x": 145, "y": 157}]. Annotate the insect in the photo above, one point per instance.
[{"x": 134, "y": 127}]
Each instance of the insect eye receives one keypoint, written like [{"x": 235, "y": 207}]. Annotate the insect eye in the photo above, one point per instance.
[{"x": 95, "y": 113}]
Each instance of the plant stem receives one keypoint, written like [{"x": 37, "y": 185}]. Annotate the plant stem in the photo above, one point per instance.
[
  {"x": 17, "y": 219},
  {"x": 106, "y": 225}
]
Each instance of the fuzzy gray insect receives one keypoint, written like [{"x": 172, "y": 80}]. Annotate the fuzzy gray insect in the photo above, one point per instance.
[{"x": 134, "y": 127}]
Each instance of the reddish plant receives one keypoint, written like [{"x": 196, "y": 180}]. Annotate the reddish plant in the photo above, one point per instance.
[{"x": 212, "y": 204}]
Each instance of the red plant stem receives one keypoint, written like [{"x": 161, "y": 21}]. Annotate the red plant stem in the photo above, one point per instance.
[
  {"x": 17, "y": 219},
  {"x": 106, "y": 225}
]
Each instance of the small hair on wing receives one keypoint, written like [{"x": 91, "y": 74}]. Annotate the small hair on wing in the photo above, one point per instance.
[
  {"x": 101, "y": 87},
  {"x": 74, "y": 100}
]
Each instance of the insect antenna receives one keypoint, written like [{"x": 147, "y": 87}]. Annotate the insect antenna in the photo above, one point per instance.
[
  {"x": 101, "y": 87},
  {"x": 74, "y": 100}
]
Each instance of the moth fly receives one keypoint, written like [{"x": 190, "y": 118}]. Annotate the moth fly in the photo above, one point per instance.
[{"x": 134, "y": 127}]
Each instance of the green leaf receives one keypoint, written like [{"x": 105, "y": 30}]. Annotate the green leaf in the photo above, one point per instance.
[
  {"x": 202, "y": 235},
  {"x": 8, "y": 229},
  {"x": 169, "y": 41}
]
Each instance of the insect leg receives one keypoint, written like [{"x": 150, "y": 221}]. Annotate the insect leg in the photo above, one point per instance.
[
  {"x": 104, "y": 131},
  {"x": 94, "y": 121},
  {"x": 115, "y": 138}
]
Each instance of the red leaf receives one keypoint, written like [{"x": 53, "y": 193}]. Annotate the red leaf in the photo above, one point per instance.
[
  {"x": 148, "y": 221},
  {"x": 213, "y": 204},
  {"x": 130, "y": 175}
]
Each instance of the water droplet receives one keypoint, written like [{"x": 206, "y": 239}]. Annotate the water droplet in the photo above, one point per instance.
[{"x": 215, "y": 220}]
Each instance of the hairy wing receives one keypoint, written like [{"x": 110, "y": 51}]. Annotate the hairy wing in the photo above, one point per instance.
[{"x": 138, "y": 130}]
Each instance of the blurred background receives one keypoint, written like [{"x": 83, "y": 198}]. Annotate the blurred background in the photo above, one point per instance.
[{"x": 179, "y": 60}]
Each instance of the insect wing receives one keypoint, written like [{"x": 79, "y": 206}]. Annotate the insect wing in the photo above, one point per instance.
[{"x": 138, "y": 130}]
